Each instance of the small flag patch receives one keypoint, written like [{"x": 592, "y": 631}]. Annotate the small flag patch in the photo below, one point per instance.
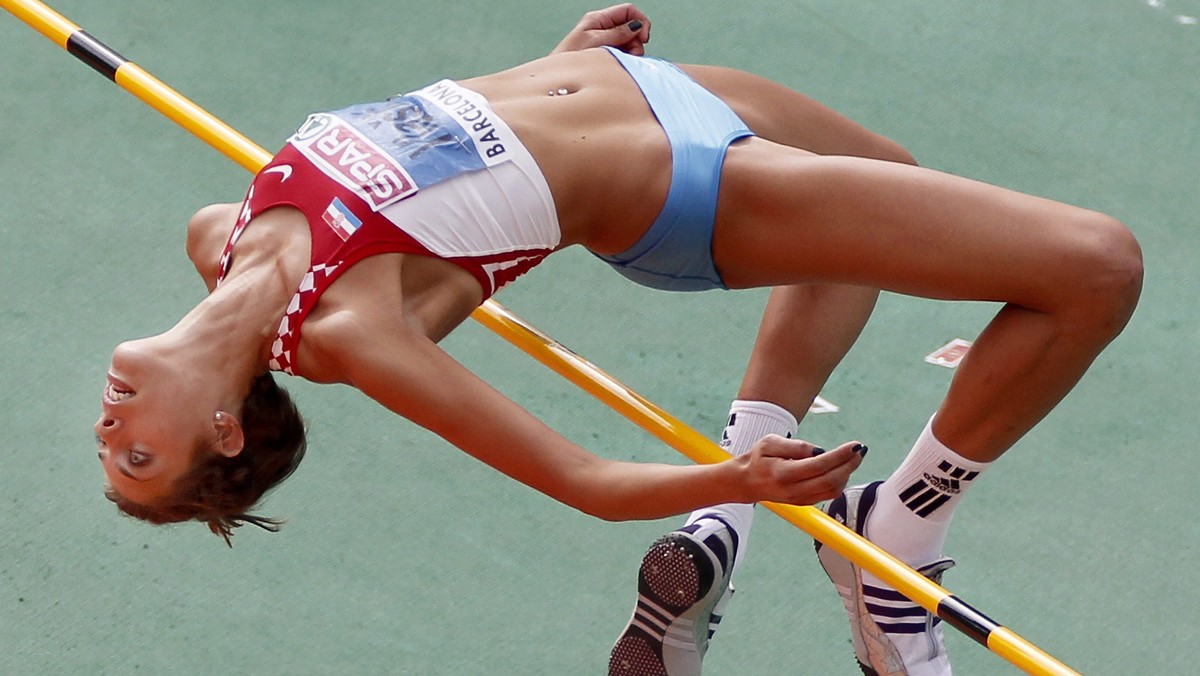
[{"x": 339, "y": 217}]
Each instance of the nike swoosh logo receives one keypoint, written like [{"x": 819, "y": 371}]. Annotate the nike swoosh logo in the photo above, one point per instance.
[{"x": 284, "y": 170}]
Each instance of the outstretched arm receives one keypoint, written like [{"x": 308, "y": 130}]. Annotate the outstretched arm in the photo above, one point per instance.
[
  {"x": 622, "y": 26},
  {"x": 413, "y": 377}
]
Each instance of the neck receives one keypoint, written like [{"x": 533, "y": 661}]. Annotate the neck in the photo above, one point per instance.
[{"x": 232, "y": 329}]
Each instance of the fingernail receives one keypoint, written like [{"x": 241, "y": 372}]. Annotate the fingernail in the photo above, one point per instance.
[
  {"x": 635, "y": 25},
  {"x": 817, "y": 450},
  {"x": 860, "y": 449}
]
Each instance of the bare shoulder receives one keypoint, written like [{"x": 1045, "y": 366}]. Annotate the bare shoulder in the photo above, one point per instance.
[{"x": 207, "y": 232}]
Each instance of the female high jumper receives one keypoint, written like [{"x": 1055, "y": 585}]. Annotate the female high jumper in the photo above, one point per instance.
[{"x": 380, "y": 227}]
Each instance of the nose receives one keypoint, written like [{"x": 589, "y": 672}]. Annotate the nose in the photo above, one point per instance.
[{"x": 105, "y": 426}]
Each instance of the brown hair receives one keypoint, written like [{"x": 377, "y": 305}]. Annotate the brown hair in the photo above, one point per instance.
[{"x": 220, "y": 490}]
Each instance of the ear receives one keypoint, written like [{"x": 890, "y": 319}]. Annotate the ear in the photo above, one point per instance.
[{"x": 230, "y": 436}]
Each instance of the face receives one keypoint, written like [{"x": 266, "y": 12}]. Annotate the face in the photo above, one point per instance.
[{"x": 152, "y": 416}]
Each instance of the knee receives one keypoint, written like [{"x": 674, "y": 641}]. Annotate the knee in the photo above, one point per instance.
[{"x": 1111, "y": 274}]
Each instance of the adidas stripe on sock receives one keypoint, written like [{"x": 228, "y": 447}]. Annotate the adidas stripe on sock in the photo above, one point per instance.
[{"x": 915, "y": 504}]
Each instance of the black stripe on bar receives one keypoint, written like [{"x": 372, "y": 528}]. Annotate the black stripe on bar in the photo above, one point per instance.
[
  {"x": 95, "y": 54},
  {"x": 966, "y": 619}
]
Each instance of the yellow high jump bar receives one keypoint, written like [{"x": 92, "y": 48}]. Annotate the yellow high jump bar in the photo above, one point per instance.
[{"x": 584, "y": 374}]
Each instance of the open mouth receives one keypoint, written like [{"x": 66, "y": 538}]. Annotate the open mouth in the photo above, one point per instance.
[{"x": 117, "y": 391}]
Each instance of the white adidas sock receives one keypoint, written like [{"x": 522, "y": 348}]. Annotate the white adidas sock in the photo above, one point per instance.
[
  {"x": 912, "y": 513},
  {"x": 749, "y": 421},
  {"x": 914, "y": 506}
]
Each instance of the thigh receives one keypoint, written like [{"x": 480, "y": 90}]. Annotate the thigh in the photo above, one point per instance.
[
  {"x": 779, "y": 114},
  {"x": 787, "y": 217}
]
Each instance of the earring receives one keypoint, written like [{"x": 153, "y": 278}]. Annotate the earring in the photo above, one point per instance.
[{"x": 218, "y": 416}]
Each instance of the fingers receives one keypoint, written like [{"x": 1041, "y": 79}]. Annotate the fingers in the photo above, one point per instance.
[
  {"x": 633, "y": 47},
  {"x": 625, "y": 37},
  {"x": 797, "y": 472},
  {"x": 622, "y": 26},
  {"x": 635, "y": 20},
  {"x": 616, "y": 15},
  {"x": 776, "y": 446}
]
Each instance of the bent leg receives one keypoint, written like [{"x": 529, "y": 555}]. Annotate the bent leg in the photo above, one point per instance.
[
  {"x": 805, "y": 332},
  {"x": 807, "y": 328},
  {"x": 1070, "y": 278}
]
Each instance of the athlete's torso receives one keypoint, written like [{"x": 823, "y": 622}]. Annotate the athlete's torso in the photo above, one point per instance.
[
  {"x": 599, "y": 146},
  {"x": 601, "y": 152}
]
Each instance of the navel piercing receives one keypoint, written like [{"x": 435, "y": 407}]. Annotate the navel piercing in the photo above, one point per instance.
[{"x": 562, "y": 91}]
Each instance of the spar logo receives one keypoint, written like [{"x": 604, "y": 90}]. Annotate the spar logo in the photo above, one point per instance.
[{"x": 351, "y": 159}]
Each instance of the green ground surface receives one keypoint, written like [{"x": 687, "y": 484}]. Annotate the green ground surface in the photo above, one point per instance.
[{"x": 402, "y": 555}]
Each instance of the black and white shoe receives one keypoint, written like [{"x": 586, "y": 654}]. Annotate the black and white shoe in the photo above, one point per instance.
[
  {"x": 683, "y": 586},
  {"x": 892, "y": 636}
]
